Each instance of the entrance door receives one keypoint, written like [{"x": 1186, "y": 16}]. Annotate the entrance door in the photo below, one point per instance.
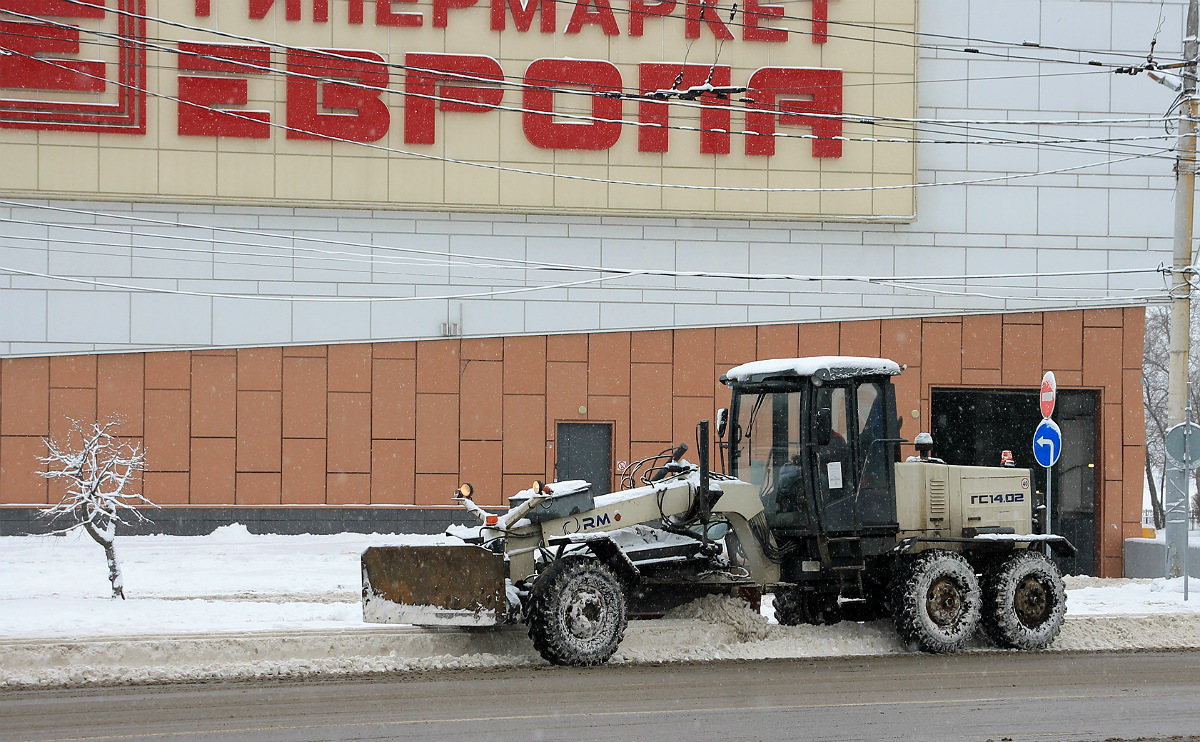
[
  {"x": 585, "y": 452},
  {"x": 972, "y": 426}
]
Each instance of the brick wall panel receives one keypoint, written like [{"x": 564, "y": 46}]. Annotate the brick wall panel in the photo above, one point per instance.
[
  {"x": 259, "y": 431},
  {"x": 608, "y": 363},
  {"x": 566, "y": 392},
  {"x": 941, "y": 353},
  {"x": 860, "y": 339},
  {"x": 900, "y": 340},
  {"x": 654, "y": 346},
  {"x": 567, "y": 348},
  {"x": 169, "y": 370},
  {"x": 24, "y": 396},
  {"x": 1133, "y": 337},
  {"x": 1022, "y": 355},
  {"x": 258, "y": 488},
  {"x": 483, "y": 349},
  {"x": 304, "y": 397},
  {"x": 165, "y": 488},
  {"x": 438, "y": 367},
  {"x": 1063, "y": 340},
  {"x": 168, "y": 430},
  {"x": 214, "y": 396},
  {"x": 19, "y": 471},
  {"x": 820, "y": 339},
  {"x": 481, "y": 415},
  {"x": 436, "y": 489},
  {"x": 1102, "y": 359},
  {"x": 303, "y": 476},
  {"x": 394, "y": 398},
  {"x": 525, "y": 365},
  {"x": 778, "y": 341},
  {"x": 482, "y": 465},
  {"x": 981, "y": 339},
  {"x": 350, "y": 432},
  {"x": 67, "y": 405},
  {"x": 393, "y": 472},
  {"x": 213, "y": 471},
  {"x": 694, "y": 358},
  {"x": 650, "y": 402},
  {"x": 404, "y": 350},
  {"x": 524, "y": 434},
  {"x": 344, "y": 488},
  {"x": 260, "y": 369},
  {"x": 77, "y": 372},
  {"x": 349, "y": 368},
  {"x": 120, "y": 384}
]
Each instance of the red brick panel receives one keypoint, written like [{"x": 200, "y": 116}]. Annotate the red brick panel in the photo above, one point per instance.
[
  {"x": 348, "y": 489},
  {"x": 394, "y": 398},
  {"x": 437, "y": 489},
  {"x": 260, "y": 369},
  {"x": 349, "y": 432},
  {"x": 1133, "y": 422},
  {"x": 19, "y": 471},
  {"x": 406, "y": 350},
  {"x": 304, "y": 397},
  {"x": 524, "y": 434},
  {"x": 608, "y": 364},
  {"x": 525, "y": 365},
  {"x": 982, "y": 377},
  {"x": 120, "y": 383},
  {"x": 76, "y": 372},
  {"x": 567, "y": 348},
  {"x": 350, "y": 368},
  {"x": 981, "y": 337},
  {"x": 482, "y": 462},
  {"x": 393, "y": 474},
  {"x": 438, "y": 367},
  {"x": 1102, "y": 359},
  {"x": 566, "y": 392},
  {"x": 695, "y": 357},
  {"x": 654, "y": 346},
  {"x": 311, "y": 351},
  {"x": 482, "y": 401},
  {"x": 820, "y": 339},
  {"x": 437, "y": 432},
  {"x": 1111, "y": 451},
  {"x": 650, "y": 402},
  {"x": 1133, "y": 337},
  {"x": 483, "y": 349},
  {"x": 24, "y": 396},
  {"x": 67, "y": 405},
  {"x": 1023, "y": 364},
  {"x": 168, "y": 435},
  {"x": 1103, "y": 318},
  {"x": 165, "y": 488},
  {"x": 1062, "y": 336},
  {"x": 860, "y": 338},
  {"x": 303, "y": 476},
  {"x": 213, "y": 471},
  {"x": 169, "y": 370},
  {"x": 900, "y": 340},
  {"x": 214, "y": 396},
  {"x": 778, "y": 341},
  {"x": 259, "y": 431},
  {"x": 687, "y": 412},
  {"x": 258, "y": 488},
  {"x": 941, "y": 353}
]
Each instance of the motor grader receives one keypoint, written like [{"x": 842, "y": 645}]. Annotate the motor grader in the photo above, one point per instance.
[{"x": 811, "y": 506}]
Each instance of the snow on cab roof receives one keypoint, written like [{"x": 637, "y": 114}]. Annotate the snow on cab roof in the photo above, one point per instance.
[{"x": 826, "y": 368}]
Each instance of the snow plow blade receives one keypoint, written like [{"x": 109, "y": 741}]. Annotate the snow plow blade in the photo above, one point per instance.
[{"x": 433, "y": 586}]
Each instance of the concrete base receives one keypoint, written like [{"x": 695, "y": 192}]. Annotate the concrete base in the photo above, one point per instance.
[{"x": 1147, "y": 557}]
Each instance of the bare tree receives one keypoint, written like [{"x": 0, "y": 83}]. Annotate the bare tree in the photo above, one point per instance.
[
  {"x": 1155, "y": 359},
  {"x": 96, "y": 475}
]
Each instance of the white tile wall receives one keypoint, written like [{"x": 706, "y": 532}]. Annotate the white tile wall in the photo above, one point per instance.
[{"x": 1115, "y": 215}]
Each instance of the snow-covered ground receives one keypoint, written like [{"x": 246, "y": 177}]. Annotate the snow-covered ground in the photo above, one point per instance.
[{"x": 204, "y": 606}]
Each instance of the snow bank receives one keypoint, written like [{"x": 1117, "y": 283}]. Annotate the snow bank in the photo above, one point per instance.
[{"x": 238, "y": 605}]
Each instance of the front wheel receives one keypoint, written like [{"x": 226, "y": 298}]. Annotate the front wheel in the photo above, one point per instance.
[
  {"x": 1025, "y": 601},
  {"x": 577, "y": 612},
  {"x": 936, "y": 601}
]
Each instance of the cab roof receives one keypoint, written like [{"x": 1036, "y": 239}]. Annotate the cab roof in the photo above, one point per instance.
[{"x": 825, "y": 368}]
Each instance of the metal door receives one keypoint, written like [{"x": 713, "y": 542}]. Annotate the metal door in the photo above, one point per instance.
[
  {"x": 972, "y": 426},
  {"x": 585, "y": 452}
]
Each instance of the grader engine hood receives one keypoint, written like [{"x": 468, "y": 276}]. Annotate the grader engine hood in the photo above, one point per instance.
[{"x": 957, "y": 501}]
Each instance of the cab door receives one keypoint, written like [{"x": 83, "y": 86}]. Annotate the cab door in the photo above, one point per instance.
[{"x": 833, "y": 464}]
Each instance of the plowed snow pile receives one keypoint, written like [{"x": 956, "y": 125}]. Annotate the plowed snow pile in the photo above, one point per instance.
[{"x": 237, "y": 605}]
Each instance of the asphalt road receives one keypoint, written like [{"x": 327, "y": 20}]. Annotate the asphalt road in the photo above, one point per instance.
[{"x": 979, "y": 696}]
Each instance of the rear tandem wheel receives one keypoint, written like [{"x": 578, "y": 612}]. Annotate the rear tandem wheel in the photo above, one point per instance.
[{"x": 936, "y": 601}]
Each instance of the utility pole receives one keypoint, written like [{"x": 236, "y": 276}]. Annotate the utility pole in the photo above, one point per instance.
[{"x": 1176, "y": 494}]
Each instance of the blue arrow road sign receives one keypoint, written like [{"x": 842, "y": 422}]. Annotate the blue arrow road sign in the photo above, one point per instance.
[{"x": 1047, "y": 443}]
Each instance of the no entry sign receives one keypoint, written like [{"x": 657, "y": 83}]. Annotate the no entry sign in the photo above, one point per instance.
[{"x": 1049, "y": 393}]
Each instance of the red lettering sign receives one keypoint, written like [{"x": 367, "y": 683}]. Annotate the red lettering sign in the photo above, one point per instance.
[
  {"x": 198, "y": 93},
  {"x": 307, "y": 96},
  {"x": 714, "y": 117},
  {"x": 44, "y": 58},
  {"x": 756, "y": 14},
  {"x": 260, "y": 8},
  {"x": 602, "y": 16},
  {"x": 638, "y": 10},
  {"x": 441, "y": 10},
  {"x": 453, "y": 82},
  {"x": 543, "y": 75},
  {"x": 781, "y": 93},
  {"x": 522, "y": 13},
  {"x": 385, "y": 16},
  {"x": 704, "y": 10}
]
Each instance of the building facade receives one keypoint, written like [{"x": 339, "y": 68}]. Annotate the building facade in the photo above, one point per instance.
[{"x": 328, "y": 259}]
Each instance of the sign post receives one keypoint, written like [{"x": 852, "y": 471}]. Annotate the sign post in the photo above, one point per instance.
[
  {"x": 1183, "y": 456},
  {"x": 1047, "y": 439}
]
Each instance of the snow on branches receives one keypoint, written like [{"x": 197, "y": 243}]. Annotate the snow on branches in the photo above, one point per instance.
[{"x": 96, "y": 474}]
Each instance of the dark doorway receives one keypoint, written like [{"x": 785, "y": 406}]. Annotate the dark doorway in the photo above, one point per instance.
[
  {"x": 585, "y": 452},
  {"x": 972, "y": 426}
]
